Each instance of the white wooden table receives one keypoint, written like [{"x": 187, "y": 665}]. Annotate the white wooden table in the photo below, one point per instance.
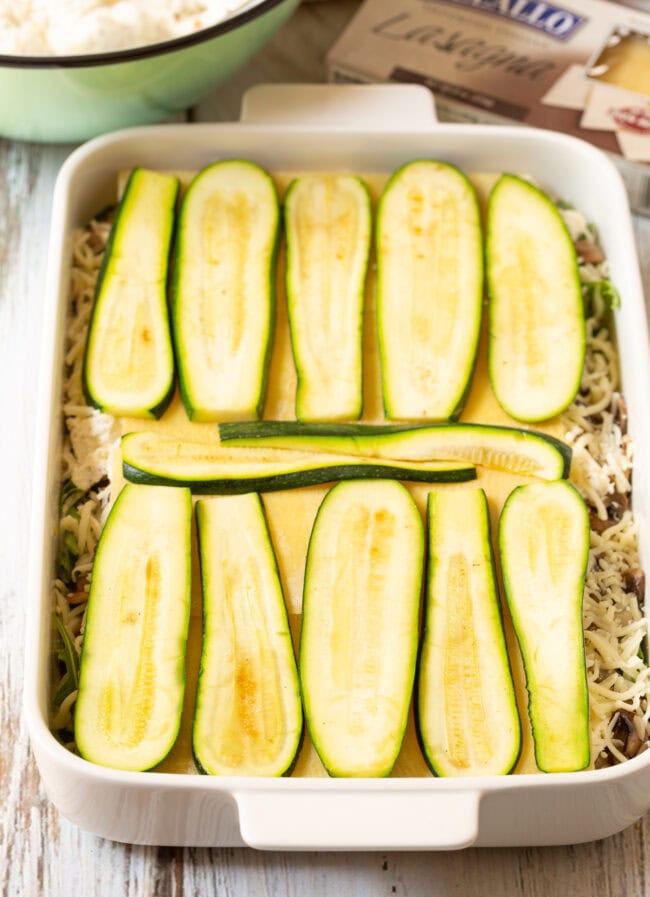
[{"x": 41, "y": 853}]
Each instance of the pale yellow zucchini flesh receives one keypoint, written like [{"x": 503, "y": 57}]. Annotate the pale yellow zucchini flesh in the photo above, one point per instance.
[
  {"x": 544, "y": 547},
  {"x": 499, "y": 448},
  {"x": 223, "y": 290},
  {"x": 429, "y": 290},
  {"x": 359, "y": 633},
  {"x": 129, "y": 363},
  {"x": 328, "y": 229},
  {"x": 214, "y": 469},
  {"x": 536, "y": 315},
  {"x": 466, "y": 708},
  {"x": 248, "y": 717},
  {"x": 132, "y": 678}
]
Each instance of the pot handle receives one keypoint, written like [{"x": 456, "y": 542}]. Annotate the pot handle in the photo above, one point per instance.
[
  {"x": 311, "y": 819},
  {"x": 388, "y": 107}
]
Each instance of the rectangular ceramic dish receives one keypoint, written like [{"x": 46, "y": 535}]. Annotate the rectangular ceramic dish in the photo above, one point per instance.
[{"x": 330, "y": 128}]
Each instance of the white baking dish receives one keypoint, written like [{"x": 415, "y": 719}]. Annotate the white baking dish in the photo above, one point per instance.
[{"x": 329, "y": 128}]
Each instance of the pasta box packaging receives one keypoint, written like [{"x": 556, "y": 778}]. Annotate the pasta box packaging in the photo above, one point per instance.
[{"x": 581, "y": 68}]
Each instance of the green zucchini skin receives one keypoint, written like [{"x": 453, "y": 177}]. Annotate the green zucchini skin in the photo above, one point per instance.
[
  {"x": 328, "y": 226},
  {"x": 429, "y": 290},
  {"x": 358, "y": 642},
  {"x": 536, "y": 345},
  {"x": 466, "y": 711},
  {"x": 223, "y": 371},
  {"x": 502, "y": 448},
  {"x": 131, "y": 690},
  {"x": 544, "y": 547},
  {"x": 210, "y": 470},
  {"x": 248, "y": 716},
  {"x": 317, "y": 476},
  {"x": 140, "y": 265}
]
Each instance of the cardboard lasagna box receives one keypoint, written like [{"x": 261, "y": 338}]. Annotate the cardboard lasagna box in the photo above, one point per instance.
[{"x": 582, "y": 68}]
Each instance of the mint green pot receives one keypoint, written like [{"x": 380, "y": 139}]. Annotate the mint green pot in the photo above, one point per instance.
[{"x": 65, "y": 99}]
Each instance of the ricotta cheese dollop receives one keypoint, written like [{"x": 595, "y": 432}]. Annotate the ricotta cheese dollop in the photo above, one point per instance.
[{"x": 71, "y": 27}]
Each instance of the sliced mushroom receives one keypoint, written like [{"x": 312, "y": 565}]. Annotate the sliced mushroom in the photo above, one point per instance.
[
  {"x": 634, "y": 581},
  {"x": 100, "y": 484},
  {"x": 597, "y": 525},
  {"x": 617, "y": 504},
  {"x": 620, "y": 413},
  {"x": 604, "y": 760},
  {"x": 589, "y": 252},
  {"x": 626, "y": 734}
]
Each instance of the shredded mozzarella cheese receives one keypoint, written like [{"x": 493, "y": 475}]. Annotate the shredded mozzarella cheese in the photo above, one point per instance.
[{"x": 616, "y": 628}]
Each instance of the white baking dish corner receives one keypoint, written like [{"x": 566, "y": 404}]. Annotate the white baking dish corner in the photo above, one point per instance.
[{"x": 317, "y": 127}]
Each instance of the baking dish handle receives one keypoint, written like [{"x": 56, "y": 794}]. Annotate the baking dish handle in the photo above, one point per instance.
[
  {"x": 313, "y": 819},
  {"x": 389, "y": 107}
]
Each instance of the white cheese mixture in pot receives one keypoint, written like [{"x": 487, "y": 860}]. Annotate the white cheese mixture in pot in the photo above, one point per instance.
[{"x": 71, "y": 27}]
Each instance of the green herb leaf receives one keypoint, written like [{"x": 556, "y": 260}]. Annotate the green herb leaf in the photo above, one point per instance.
[
  {"x": 70, "y": 659},
  {"x": 70, "y": 495},
  {"x": 68, "y": 555},
  {"x": 604, "y": 290}
]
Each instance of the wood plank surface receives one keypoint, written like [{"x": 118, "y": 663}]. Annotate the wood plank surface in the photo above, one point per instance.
[
  {"x": 294, "y": 54},
  {"x": 40, "y": 852}
]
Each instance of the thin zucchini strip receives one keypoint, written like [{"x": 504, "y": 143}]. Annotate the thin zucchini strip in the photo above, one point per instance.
[
  {"x": 128, "y": 367},
  {"x": 544, "y": 547},
  {"x": 466, "y": 708},
  {"x": 359, "y": 633},
  {"x": 248, "y": 716},
  {"x": 223, "y": 299},
  {"x": 536, "y": 316},
  {"x": 429, "y": 290},
  {"x": 328, "y": 228},
  {"x": 500, "y": 448},
  {"x": 132, "y": 677},
  {"x": 208, "y": 469}
]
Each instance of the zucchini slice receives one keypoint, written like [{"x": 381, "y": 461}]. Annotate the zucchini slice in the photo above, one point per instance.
[
  {"x": 429, "y": 290},
  {"x": 223, "y": 294},
  {"x": 248, "y": 717},
  {"x": 132, "y": 678},
  {"x": 359, "y": 635},
  {"x": 128, "y": 367},
  {"x": 209, "y": 469},
  {"x": 517, "y": 451},
  {"x": 544, "y": 547},
  {"x": 536, "y": 343},
  {"x": 466, "y": 708},
  {"x": 328, "y": 227}
]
